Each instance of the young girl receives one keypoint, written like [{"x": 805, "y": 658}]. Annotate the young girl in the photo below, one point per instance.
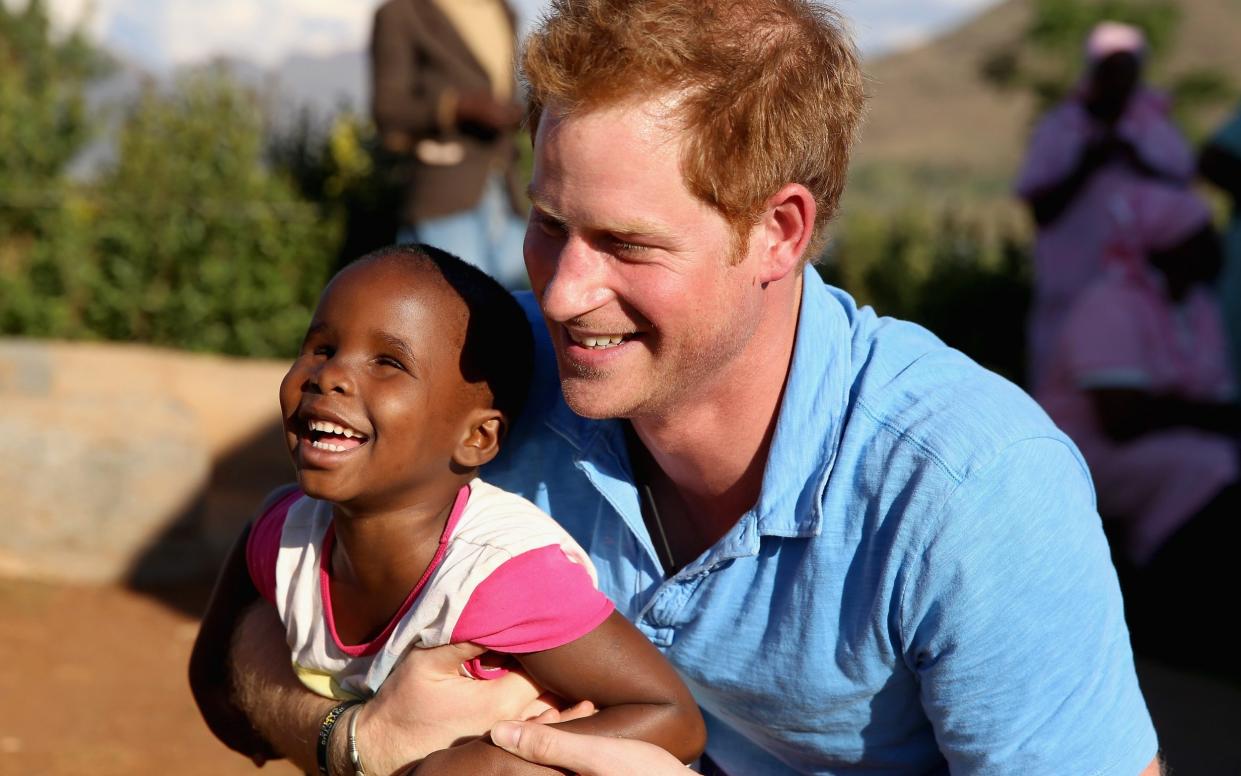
[{"x": 412, "y": 369}]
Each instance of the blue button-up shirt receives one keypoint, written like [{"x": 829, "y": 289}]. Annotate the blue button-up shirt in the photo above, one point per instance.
[{"x": 923, "y": 583}]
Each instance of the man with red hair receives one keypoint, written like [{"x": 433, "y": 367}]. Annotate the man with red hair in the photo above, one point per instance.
[{"x": 863, "y": 552}]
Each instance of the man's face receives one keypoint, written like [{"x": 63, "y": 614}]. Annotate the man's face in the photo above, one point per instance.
[{"x": 646, "y": 306}]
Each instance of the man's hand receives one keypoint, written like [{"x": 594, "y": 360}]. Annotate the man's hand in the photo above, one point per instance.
[
  {"x": 583, "y": 754},
  {"x": 428, "y": 704},
  {"x": 480, "y": 114}
]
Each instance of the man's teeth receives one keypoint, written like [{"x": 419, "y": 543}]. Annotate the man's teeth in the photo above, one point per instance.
[
  {"x": 333, "y": 428},
  {"x": 609, "y": 341}
]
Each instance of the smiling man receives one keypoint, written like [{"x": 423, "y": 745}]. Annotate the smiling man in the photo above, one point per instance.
[{"x": 864, "y": 553}]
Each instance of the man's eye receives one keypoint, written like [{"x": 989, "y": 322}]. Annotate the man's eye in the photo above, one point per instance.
[
  {"x": 322, "y": 350},
  {"x": 624, "y": 246},
  {"x": 549, "y": 226}
]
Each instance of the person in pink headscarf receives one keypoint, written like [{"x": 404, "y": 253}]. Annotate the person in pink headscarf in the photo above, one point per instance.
[
  {"x": 1140, "y": 379},
  {"x": 1111, "y": 133}
]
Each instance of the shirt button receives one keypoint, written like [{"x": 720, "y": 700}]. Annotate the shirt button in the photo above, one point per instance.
[{"x": 660, "y": 637}]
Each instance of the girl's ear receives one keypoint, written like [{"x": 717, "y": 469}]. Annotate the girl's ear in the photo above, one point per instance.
[{"x": 482, "y": 439}]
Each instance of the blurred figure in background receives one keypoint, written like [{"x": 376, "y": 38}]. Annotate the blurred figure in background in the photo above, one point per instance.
[
  {"x": 443, "y": 98},
  {"x": 1140, "y": 380},
  {"x": 1220, "y": 163},
  {"x": 1110, "y": 133}
]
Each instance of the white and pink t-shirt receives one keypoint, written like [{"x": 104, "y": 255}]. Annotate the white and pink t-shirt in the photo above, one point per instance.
[{"x": 505, "y": 576}]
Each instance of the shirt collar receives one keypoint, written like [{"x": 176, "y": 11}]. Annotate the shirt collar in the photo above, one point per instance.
[
  {"x": 803, "y": 448},
  {"x": 809, "y": 425}
]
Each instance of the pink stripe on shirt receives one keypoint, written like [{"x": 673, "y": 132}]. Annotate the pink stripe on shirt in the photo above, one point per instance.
[
  {"x": 536, "y": 601},
  {"x": 263, "y": 545}
]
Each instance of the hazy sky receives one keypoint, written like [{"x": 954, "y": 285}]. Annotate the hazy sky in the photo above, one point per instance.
[{"x": 159, "y": 33}]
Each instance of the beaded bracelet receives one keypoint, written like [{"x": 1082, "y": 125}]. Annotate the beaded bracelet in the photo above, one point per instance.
[{"x": 325, "y": 734}]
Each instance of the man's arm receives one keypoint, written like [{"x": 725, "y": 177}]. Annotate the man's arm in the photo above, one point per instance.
[
  {"x": 279, "y": 707},
  {"x": 1012, "y": 619},
  {"x": 425, "y": 704},
  {"x": 208, "y": 669},
  {"x": 401, "y": 106},
  {"x": 405, "y": 108}
]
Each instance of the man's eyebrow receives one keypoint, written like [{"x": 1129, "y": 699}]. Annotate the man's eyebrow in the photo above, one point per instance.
[
  {"x": 397, "y": 344},
  {"x": 541, "y": 204},
  {"x": 624, "y": 227}
]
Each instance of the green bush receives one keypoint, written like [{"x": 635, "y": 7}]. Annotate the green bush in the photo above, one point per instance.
[
  {"x": 963, "y": 276},
  {"x": 187, "y": 240},
  {"x": 195, "y": 243}
]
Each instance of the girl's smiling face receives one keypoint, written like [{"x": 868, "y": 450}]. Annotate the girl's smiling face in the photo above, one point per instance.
[{"x": 376, "y": 412}]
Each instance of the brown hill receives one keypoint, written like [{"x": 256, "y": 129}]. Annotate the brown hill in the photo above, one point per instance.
[{"x": 935, "y": 123}]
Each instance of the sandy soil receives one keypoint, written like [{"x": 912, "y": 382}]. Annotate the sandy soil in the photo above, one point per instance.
[{"x": 93, "y": 681}]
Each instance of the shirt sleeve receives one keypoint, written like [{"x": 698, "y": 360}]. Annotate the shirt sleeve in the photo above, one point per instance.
[
  {"x": 535, "y": 601},
  {"x": 263, "y": 546},
  {"x": 1055, "y": 148},
  {"x": 1012, "y": 619}
]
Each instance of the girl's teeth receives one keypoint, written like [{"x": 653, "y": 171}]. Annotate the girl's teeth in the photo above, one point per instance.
[
  {"x": 325, "y": 427},
  {"x": 328, "y": 446}
]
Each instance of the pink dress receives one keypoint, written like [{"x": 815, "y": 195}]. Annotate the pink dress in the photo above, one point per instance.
[
  {"x": 1068, "y": 253},
  {"x": 1124, "y": 333}
]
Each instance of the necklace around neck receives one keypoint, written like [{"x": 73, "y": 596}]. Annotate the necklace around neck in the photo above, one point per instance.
[{"x": 669, "y": 559}]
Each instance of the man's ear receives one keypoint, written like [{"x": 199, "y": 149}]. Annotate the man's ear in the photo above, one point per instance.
[
  {"x": 481, "y": 442},
  {"x": 787, "y": 227}
]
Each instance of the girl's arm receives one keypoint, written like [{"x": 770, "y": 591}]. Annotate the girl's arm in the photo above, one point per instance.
[
  {"x": 208, "y": 671},
  {"x": 637, "y": 691}
]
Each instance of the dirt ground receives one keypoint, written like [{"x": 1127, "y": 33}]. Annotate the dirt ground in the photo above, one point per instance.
[{"x": 93, "y": 681}]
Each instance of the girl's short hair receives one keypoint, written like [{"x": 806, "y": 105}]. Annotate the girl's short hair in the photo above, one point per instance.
[{"x": 497, "y": 346}]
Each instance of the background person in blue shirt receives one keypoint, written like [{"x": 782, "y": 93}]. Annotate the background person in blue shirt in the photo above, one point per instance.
[{"x": 862, "y": 552}]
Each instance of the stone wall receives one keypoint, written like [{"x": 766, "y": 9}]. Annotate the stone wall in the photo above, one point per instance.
[{"x": 128, "y": 463}]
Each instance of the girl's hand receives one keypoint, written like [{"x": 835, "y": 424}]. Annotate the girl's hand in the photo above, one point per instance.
[{"x": 583, "y": 754}]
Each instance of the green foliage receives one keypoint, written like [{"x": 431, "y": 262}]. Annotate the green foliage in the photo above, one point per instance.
[
  {"x": 43, "y": 121},
  {"x": 341, "y": 168},
  {"x": 196, "y": 243},
  {"x": 963, "y": 277},
  {"x": 1196, "y": 95},
  {"x": 1048, "y": 56},
  {"x": 43, "y": 125},
  {"x": 188, "y": 240}
]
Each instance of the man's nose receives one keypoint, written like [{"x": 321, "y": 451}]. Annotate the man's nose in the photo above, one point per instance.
[{"x": 579, "y": 282}]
